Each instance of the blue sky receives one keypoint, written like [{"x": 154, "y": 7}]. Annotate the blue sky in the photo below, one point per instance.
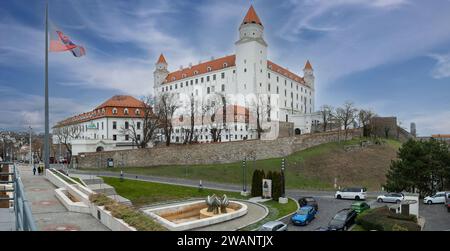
[{"x": 392, "y": 56}]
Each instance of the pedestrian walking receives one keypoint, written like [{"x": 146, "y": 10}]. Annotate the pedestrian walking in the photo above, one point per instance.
[{"x": 34, "y": 170}]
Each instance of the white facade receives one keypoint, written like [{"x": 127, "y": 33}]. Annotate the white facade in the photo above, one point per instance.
[
  {"x": 108, "y": 127},
  {"x": 242, "y": 77}
]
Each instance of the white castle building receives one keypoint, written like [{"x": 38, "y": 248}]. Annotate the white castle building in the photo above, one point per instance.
[{"x": 243, "y": 78}]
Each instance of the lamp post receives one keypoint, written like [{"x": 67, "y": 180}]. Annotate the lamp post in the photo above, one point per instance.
[
  {"x": 283, "y": 198},
  {"x": 244, "y": 178},
  {"x": 31, "y": 152}
]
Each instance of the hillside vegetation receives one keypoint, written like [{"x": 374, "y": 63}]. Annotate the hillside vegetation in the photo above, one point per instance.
[{"x": 313, "y": 168}]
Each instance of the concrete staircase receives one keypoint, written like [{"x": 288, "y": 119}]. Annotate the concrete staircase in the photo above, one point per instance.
[{"x": 97, "y": 185}]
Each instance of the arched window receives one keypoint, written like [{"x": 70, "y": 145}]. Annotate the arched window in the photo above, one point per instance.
[
  {"x": 114, "y": 110},
  {"x": 225, "y": 65},
  {"x": 125, "y": 111},
  {"x": 209, "y": 68},
  {"x": 195, "y": 72},
  {"x": 137, "y": 112}
]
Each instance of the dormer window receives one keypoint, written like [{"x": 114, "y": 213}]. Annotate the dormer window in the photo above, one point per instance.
[
  {"x": 195, "y": 72},
  {"x": 138, "y": 112},
  {"x": 208, "y": 69},
  {"x": 225, "y": 65},
  {"x": 173, "y": 78},
  {"x": 114, "y": 110},
  {"x": 125, "y": 111},
  {"x": 184, "y": 75}
]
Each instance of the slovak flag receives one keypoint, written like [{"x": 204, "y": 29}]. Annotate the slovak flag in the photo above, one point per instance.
[{"x": 60, "y": 42}]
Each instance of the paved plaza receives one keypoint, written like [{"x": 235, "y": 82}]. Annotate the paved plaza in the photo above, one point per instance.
[{"x": 48, "y": 212}]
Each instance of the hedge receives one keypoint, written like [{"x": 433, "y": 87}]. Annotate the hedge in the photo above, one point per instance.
[{"x": 381, "y": 219}]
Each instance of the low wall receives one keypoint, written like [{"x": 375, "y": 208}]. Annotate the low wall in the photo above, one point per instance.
[
  {"x": 108, "y": 220},
  {"x": 211, "y": 153}
]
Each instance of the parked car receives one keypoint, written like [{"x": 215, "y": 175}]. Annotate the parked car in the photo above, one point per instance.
[
  {"x": 439, "y": 197},
  {"x": 273, "y": 226},
  {"x": 308, "y": 201},
  {"x": 360, "y": 207},
  {"x": 342, "y": 220},
  {"x": 357, "y": 193},
  {"x": 391, "y": 197},
  {"x": 304, "y": 216}
]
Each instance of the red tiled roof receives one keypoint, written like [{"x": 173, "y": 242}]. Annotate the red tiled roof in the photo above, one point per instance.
[
  {"x": 285, "y": 72},
  {"x": 216, "y": 64},
  {"x": 230, "y": 61},
  {"x": 441, "y": 136},
  {"x": 308, "y": 65},
  {"x": 251, "y": 17},
  {"x": 122, "y": 101},
  {"x": 161, "y": 59}
]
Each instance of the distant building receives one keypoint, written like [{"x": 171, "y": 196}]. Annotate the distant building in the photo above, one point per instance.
[
  {"x": 413, "y": 129},
  {"x": 442, "y": 137},
  {"x": 103, "y": 128}
]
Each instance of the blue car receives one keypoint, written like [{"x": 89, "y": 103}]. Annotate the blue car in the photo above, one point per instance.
[{"x": 304, "y": 215}]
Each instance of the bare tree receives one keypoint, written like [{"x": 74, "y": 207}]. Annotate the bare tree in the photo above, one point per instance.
[
  {"x": 148, "y": 123},
  {"x": 326, "y": 111},
  {"x": 364, "y": 118},
  {"x": 261, "y": 107},
  {"x": 216, "y": 116},
  {"x": 346, "y": 115},
  {"x": 165, "y": 109},
  {"x": 65, "y": 135}
]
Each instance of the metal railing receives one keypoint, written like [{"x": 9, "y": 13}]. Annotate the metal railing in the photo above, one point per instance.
[{"x": 23, "y": 217}]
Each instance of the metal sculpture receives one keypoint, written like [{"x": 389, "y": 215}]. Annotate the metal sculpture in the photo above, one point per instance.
[{"x": 214, "y": 204}]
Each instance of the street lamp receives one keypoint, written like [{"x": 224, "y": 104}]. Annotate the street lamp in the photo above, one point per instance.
[
  {"x": 283, "y": 168},
  {"x": 244, "y": 180}
]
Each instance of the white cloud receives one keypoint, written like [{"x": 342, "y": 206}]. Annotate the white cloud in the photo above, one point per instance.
[{"x": 442, "y": 68}]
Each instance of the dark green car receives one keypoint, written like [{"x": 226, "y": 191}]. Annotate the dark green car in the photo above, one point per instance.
[{"x": 360, "y": 207}]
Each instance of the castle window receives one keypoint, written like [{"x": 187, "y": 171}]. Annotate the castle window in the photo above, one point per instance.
[
  {"x": 181, "y": 85},
  {"x": 163, "y": 89},
  {"x": 127, "y": 137},
  {"x": 214, "y": 77},
  {"x": 192, "y": 82},
  {"x": 114, "y": 137},
  {"x": 201, "y": 80},
  {"x": 268, "y": 87},
  {"x": 127, "y": 125},
  {"x": 208, "y": 69},
  {"x": 114, "y": 125},
  {"x": 196, "y": 81},
  {"x": 207, "y": 78},
  {"x": 223, "y": 88},
  {"x": 278, "y": 79},
  {"x": 103, "y": 110},
  {"x": 114, "y": 110},
  {"x": 138, "y": 112},
  {"x": 195, "y": 72},
  {"x": 223, "y": 75},
  {"x": 234, "y": 71},
  {"x": 268, "y": 75},
  {"x": 183, "y": 76},
  {"x": 225, "y": 65},
  {"x": 278, "y": 90},
  {"x": 170, "y": 87},
  {"x": 245, "y": 69},
  {"x": 125, "y": 111},
  {"x": 173, "y": 78},
  {"x": 176, "y": 86},
  {"x": 208, "y": 90}
]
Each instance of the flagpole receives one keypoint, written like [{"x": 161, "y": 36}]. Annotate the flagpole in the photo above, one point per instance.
[{"x": 46, "y": 138}]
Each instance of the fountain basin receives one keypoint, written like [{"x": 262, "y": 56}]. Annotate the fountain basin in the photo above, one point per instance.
[{"x": 190, "y": 215}]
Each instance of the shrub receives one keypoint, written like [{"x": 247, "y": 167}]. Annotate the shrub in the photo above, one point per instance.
[
  {"x": 382, "y": 219},
  {"x": 128, "y": 214},
  {"x": 258, "y": 176}
]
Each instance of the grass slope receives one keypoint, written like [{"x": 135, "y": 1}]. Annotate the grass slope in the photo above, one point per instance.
[
  {"x": 313, "y": 168},
  {"x": 144, "y": 193}
]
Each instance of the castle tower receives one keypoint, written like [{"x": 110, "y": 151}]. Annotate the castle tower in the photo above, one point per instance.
[
  {"x": 251, "y": 55},
  {"x": 308, "y": 74},
  {"x": 160, "y": 73}
]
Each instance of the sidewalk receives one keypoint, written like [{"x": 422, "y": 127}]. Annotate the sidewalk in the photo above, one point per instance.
[{"x": 48, "y": 212}]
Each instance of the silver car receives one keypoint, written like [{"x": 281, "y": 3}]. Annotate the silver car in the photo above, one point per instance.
[
  {"x": 273, "y": 226},
  {"x": 391, "y": 197}
]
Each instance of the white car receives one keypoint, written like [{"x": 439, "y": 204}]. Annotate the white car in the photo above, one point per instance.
[
  {"x": 354, "y": 193},
  {"x": 391, "y": 197},
  {"x": 439, "y": 197}
]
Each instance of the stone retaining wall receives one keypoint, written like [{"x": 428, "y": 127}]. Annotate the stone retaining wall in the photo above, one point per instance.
[{"x": 211, "y": 153}]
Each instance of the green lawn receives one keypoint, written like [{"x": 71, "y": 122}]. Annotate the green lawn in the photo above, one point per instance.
[
  {"x": 276, "y": 211},
  {"x": 307, "y": 169},
  {"x": 144, "y": 193}
]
